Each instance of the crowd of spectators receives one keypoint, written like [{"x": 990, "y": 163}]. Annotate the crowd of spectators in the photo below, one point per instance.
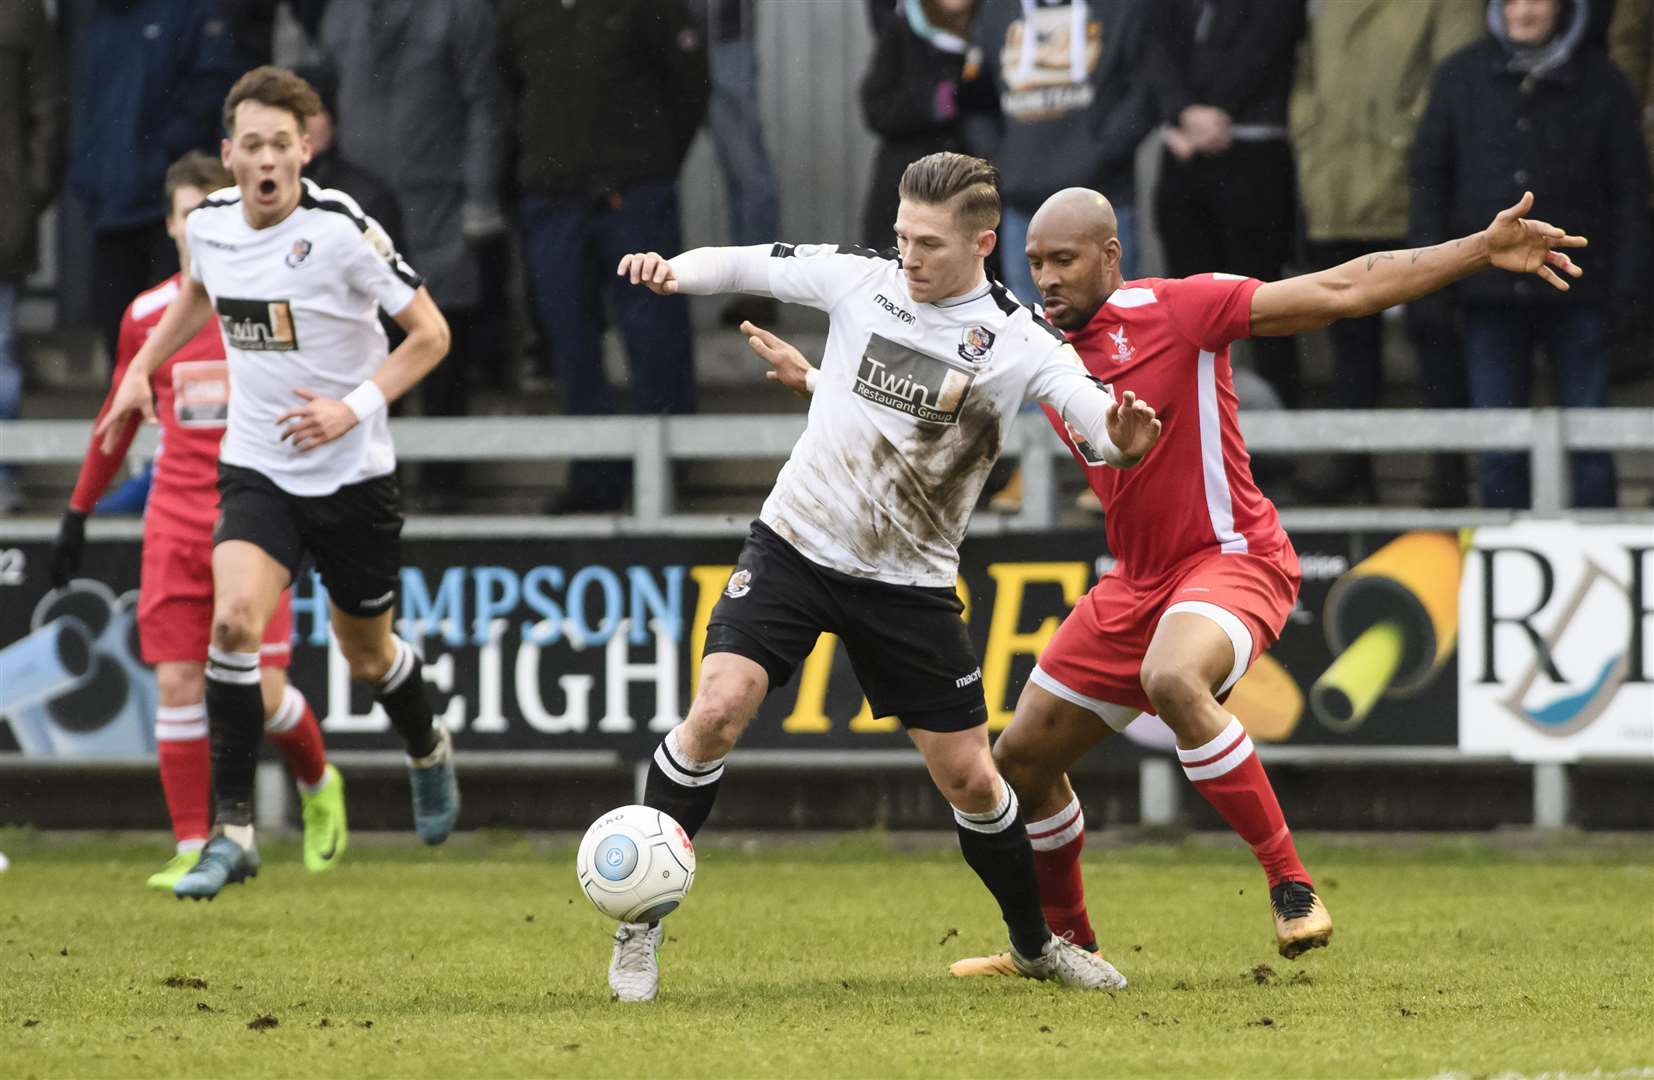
[{"x": 1293, "y": 134}]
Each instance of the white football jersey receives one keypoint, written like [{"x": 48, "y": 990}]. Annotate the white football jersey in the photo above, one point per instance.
[
  {"x": 299, "y": 306},
  {"x": 910, "y": 412}
]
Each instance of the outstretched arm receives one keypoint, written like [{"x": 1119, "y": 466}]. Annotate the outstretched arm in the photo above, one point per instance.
[
  {"x": 1383, "y": 279},
  {"x": 701, "y": 271}
]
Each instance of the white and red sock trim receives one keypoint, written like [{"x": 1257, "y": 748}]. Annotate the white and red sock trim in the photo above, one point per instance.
[
  {"x": 287, "y": 714},
  {"x": 1058, "y": 830},
  {"x": 1219, "y": 756},
  {"x": 181, "y": 723}
]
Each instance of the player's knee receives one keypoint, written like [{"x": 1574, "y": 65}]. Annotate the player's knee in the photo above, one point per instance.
[
  {"x": 718, "y": 716},
  {"x": 367, "y": 663},
  {"x": 973, "y": 790},
  {"x": 179, "y": 685},
  {"x": 273, "y": 691},
  {"x": 235, "y": 626},
  {"x": 1172, "y": 690},
  {"x": 1019, "y": 768}
]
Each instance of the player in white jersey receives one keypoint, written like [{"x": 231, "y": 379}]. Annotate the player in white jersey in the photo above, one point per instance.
[
  {"x": 927, "y": 363},
  {"x": 297, "y": 276}
]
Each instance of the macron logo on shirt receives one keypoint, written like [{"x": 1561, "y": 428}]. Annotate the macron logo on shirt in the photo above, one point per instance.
[{"x": 892, "y": 309}]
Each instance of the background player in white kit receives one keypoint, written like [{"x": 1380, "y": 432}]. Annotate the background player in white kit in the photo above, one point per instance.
[
  {"x": 927, "y": 364},
  {"x": 297, "y": 276}
]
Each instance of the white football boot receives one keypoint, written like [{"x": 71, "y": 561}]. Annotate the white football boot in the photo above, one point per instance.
[
  {"x": 634, "y": 970},
  {"x": 1065, "y": 962}
]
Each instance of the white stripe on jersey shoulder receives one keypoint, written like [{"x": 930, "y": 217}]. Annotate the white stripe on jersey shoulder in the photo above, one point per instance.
[
  {"x": 1009, "y": 305},
  {"x": 148, "y": 303},
  {"x": 1130, "y": 298},
  {"x": 334, "y": 201},
  {"x": 320, "y": 194},
  {"x": 224, "y": 196}
]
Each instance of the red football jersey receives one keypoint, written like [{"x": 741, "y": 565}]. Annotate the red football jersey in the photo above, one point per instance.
[
  {"x": 1167, "y": 341},
  {"x": 192, "y": 394}
]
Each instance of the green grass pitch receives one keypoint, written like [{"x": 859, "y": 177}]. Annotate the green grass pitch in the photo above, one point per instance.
[{"x": 1451, "y": 956}]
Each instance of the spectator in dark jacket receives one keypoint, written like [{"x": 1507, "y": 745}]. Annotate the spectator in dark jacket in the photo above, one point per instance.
[
  {"x": 608, "y": 98},
  {"x": 1227, "y": 196},
  {"x": 419, "y": 97},
  {"x": 736, "y": 124},
  {"x": 1631, "y": 44},
  {"x": 332, "y": 169},
  {"x": 152, "y": 79},
  {"x": 910, "y": 96},
  {"x": 1073, "y": 106},
  {"x": 31, "y": 166},
  {"x": 1528, "y": 109}
]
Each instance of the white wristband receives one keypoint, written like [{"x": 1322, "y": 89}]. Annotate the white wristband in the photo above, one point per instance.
[
  {"x": 365, "y": 400},
  {"x": 811, "y": 377}
]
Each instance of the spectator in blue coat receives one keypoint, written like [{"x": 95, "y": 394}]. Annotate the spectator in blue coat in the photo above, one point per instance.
[{"x": 151, "y": 78}]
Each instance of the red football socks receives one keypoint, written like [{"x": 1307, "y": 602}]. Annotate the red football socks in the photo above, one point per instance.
[
  {"x": 294, "y": 731},
  {"x": 1227, "y": 772},
  {"x": 1057, "y": 841},
  {"x": 185, "y": 756}
]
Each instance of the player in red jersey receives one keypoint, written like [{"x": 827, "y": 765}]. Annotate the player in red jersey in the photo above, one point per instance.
[
  {"x": 175, "y": 591},
  {"x": 1205, "y": 576}
]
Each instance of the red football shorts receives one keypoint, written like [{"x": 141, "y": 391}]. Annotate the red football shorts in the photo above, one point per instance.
[
  {"x": 175, "y": 605},
  {"x": 1095, "y": 659}
]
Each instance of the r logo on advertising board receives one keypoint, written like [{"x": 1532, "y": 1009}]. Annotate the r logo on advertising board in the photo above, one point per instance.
[{"x": 1554, "y": 654}]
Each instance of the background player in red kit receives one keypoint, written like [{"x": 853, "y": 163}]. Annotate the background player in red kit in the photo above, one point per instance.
[
  {"x": 175, "y": 592},
  {"x": 1205, "y": 576}
]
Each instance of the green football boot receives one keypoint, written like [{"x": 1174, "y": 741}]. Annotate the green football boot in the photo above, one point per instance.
[
  {"x": 325, "y": 834},
  {"x": 179, "y": 865}
]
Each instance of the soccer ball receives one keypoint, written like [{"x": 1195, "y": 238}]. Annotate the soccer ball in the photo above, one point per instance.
[{"x": 635, "y": 864}]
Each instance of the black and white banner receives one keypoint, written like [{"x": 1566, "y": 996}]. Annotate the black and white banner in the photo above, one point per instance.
[{"x": 553, "y": 644}]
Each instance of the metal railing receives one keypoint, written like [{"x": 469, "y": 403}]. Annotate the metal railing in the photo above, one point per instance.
[{"x": 654, "y": 443}]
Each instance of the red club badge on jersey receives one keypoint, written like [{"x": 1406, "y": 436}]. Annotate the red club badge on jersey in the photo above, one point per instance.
[{"x": 1123, "y": 349}]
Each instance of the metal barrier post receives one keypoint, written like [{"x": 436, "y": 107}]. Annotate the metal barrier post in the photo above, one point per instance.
[
  {"x": 1039, "y": 481},
  {"x": 1549, "y": 464},
  {"x": 1159, "y": 790},
  {"x": 1551, "y": 796},
  {"x": 651, "y": 472},
  {"x": 272, "y": 796}
]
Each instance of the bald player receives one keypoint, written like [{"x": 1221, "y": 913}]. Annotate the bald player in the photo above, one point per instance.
[{"x": 1205, "y": 576}]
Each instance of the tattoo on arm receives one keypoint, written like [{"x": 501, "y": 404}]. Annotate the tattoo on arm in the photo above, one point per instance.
[{"x": 1374, "y": 259}]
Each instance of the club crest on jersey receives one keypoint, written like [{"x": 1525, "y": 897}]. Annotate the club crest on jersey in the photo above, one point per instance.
[
  {"x": 740, "y": 583},
  {"x": 977, "y": 343},
  {"x": 300, "y": 252},
  {"x": 912, "y": 382},
  {"x": 258, "y": 325},
  {"x": 1123, "y": 349}
]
